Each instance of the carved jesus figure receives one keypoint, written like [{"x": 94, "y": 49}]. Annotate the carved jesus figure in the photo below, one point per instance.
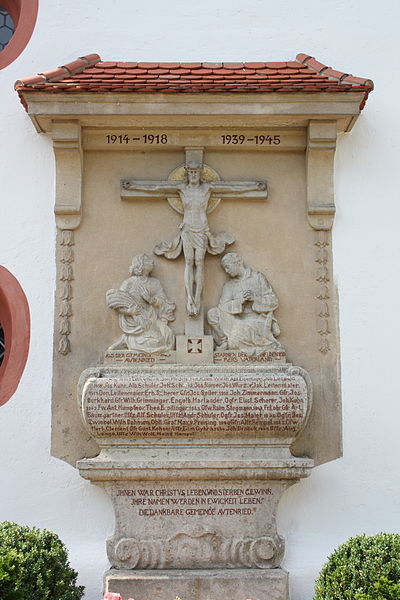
[{"x": 194, "y": 238}]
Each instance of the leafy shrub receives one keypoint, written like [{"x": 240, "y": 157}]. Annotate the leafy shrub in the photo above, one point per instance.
[
  {"x": 34, "y": 565},
  {"x": 10, "y": 573},
  {"x": 358, "y": 566},
  {"x": 383, "y": 589}
]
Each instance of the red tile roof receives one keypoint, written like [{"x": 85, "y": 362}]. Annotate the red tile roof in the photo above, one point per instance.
[{"x": 91, "y": 74}]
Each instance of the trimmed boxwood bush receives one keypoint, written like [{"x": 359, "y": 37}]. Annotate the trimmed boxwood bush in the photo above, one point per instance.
[
  {"x": 383, "y": 589},
  {"x": 363, "y": 568},
  {"x": 34, "y": 565}
]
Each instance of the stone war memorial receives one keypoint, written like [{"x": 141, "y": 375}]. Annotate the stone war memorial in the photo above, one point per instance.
[{"x": 196, "y": 352}]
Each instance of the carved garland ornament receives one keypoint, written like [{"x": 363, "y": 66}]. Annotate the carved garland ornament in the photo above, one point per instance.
[
  {"x": 322, "y": 259},
  {"x": 66, "y": 277}
]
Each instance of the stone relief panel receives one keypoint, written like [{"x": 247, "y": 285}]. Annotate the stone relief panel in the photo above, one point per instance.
[
  {"x": 263, "y": 234},
  {"x": 195, "y": 199}
]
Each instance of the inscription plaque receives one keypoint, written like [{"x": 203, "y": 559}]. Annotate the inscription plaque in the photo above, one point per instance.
[
  {"x": 208, "y": 403},
  {"x": 227, "y": 523}
]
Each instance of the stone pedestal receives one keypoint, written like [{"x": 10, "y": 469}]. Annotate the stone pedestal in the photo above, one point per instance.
[
  {"x": 235, "y": 584},
  {"x": 195, "y": 460}
]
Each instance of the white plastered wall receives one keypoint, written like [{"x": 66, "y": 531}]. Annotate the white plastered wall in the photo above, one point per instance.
[{"x": 359, "y": 493}]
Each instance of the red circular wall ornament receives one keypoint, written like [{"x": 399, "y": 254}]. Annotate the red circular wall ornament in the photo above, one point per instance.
[
  {"x": 15, "y": 321},
  {"x": 24, "y": 14}
]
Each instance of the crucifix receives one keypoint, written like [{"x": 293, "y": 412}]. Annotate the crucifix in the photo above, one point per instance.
[{"x": 193, "y": 190}]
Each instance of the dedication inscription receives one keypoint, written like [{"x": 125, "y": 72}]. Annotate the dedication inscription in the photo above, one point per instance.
[{"x": 199, "y": 524}]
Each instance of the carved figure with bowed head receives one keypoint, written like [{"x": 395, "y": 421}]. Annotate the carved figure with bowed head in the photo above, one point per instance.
[
  {"x": 244, "y": 319},
  {"x": 144, "y": 310}
]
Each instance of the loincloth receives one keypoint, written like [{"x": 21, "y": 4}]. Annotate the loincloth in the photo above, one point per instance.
[{"x": 208, "y": 241}]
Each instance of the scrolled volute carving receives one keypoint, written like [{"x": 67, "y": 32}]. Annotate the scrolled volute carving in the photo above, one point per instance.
[
  {"x": 128, "y": 551},
  {"x": 196, "y": 551}
]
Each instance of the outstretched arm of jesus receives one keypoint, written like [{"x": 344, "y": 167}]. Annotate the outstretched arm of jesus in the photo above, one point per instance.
[
  {"x": 238, "y": 186},
  {"x": 151, "y": 186}
]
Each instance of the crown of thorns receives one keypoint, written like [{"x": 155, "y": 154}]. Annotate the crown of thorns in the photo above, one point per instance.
[{"x": 191, "y": 164}]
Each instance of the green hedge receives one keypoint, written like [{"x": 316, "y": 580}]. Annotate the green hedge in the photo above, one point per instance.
[
  {"x": 363, "y": 568},
  {"x": 34, "y": 565}
]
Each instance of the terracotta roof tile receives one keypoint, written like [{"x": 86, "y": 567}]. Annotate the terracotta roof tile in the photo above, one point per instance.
[
  {"x": 91, "y": 70},
  {"x": 109, "y": 65},
  {"x": 357, "y": 80},
  {"x": 332, "y": 73},
  {"x": 126, "y": 65},
  {"x": 91, "y": 58},
  {"x": 212, "y": 65},
  {"x": 170, "y": 65},
  {"x": 254, "y": 65},
  {"x": 76, "y": 66},
  {"x": 232, "y": 65},
  {"x": 314, "y": 64},
  {"x": 102, "y": 75},
  {"x": 180, "y": 71},
  {"x": 145, "y": 65},
  {"x": 293, "y": 64},
  {"x": 90, "y": 74},
  {"x": 325, "y": 71},
  {"x": 193, "y": 65},
  {"x": 34, "y": 80},
  {"x": 302, "y": 57},
  {"x": 55, "y": 74}
]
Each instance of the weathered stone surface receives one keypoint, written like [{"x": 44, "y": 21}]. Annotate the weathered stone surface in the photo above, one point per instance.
[
  {"x": 144, "y": 310},
  {"x": 208, "y": 402},
  {"x": 195, "y": 525},
  {"x": 127, "y": 357},
  {"x": 235, "y": 584},
  {"x": 193, "y": 193},
  {"x": 195, "y": 460},
  {"x": 238, "y": 356},
  {"x": 195, "y": 504},
  {"x": 244, "y": 318},
  {"x": 281, "y": 244},
  {"x": 194, "y": 349}
]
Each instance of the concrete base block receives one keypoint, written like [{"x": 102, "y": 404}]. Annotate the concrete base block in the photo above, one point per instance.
[{"x": 235, "y": 584}]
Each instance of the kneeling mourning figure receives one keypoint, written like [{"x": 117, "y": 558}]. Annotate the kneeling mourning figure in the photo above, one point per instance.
[
  {"x": 244, "y": 319},
  {"x": 144, "y": 310}
]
